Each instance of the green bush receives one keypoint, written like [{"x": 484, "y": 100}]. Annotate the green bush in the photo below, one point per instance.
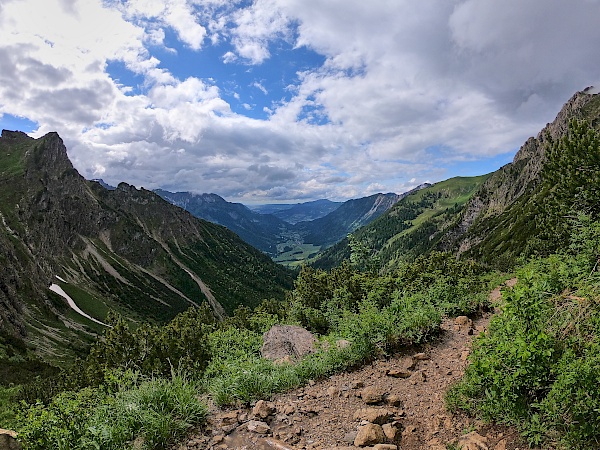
[
  {"x": 539, "y": 366},
  {"x": 154, "y": 412},
  {"x": 254, "y": 378}
]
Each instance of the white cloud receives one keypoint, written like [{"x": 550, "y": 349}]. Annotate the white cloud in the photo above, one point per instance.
[
  {"x": 401, "y": 79},
  {"x": 229, "y": 58},
  {"x": 256, "y": 26},
  {"x": 260, "y": 87},
  {"x": 181, "y": 18}
]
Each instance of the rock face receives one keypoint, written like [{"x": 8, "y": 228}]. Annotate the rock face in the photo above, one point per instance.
[
  {"x": 287, "y": 341},
  {"x": 125, "y": 247},
  {"x": 509, "y": 183}
]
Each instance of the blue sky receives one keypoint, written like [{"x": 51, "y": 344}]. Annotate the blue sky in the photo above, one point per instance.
[{"x": 291, "y": 100}]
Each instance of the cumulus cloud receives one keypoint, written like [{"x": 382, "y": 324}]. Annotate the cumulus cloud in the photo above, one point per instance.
[
  {"x": 256, "y": 26},
  {"x": 405, "y": 88}
]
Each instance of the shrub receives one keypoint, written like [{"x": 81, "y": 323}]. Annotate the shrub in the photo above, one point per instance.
[
  {"x": 154, "y": 411},
  {"x": 539, "y": 365}
]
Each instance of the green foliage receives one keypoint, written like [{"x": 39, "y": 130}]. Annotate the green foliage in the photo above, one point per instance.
[
  {"x": 376, "y": 313},
  {"x": 361, "y": 256},
  {"x": 538, "y": 367},
  {"x": 149, "y": 349},
  {"x": 573, "y": 169},
  {"x": 250, "y": 378},
  {"x": 8, "y": 406},
  {"x": 154, "y": 412}
]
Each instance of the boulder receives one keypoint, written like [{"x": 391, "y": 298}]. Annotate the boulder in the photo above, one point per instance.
[
  {"x": 371, "y": 395},
  {"x": 8, "y": 440},
  {"x": 263, "y": 409},
  {"x": 287, "y": 341},
  {"x": 259, "y": 427},
  {"x": 393, "y": 400},
  {"x": 390, "y": 431},
  {"x": 378, "y": 416},
  {"x": 369, "y": 434}
]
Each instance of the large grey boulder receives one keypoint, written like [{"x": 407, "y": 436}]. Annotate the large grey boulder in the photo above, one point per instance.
[{"x": 287, "y": 342}]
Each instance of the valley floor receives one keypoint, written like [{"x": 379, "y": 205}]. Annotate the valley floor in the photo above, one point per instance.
[{"x": 405, "y": 394}]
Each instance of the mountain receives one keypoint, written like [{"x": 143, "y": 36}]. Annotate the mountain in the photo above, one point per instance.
[
  {"x": 301, "y": 212},
  {"x": 288, "y": 242},
  {"x": 493, "y": 219},
  {"x": 125, "y": 249},
  {"x": 262, "y": 231},
  {"x": 513, "y": 201},
  {"x": 412, "y": 226},
  {"x": 270, "y": 208},
  {"x": 348, "y": 217}
]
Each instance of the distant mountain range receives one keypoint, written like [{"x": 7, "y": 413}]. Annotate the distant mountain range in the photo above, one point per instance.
[
  {"x": 300, "y": 212},
  {"x": 288, "y": 233}
]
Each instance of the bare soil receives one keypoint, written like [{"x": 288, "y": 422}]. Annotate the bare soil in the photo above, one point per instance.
[{"x": 408, "y": 390}]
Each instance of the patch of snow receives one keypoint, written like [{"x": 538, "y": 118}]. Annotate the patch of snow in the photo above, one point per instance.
[
  {"x": 593, "y": 90},
  {"x": 56, "y": 288},
  {"x": 60, "y": 278}
]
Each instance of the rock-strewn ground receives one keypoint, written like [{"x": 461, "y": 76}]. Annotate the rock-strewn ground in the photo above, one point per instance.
[{"x": 390, "y": 404}]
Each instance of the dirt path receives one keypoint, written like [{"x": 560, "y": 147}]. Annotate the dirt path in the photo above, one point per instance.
[{"x": 405, "y": 395}]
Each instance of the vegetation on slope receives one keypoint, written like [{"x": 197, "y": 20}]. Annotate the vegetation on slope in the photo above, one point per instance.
[
  {"x": 412, "y": 227},
  {"x": 376, "y": 313},
  {"x": 538, "y": 367}
]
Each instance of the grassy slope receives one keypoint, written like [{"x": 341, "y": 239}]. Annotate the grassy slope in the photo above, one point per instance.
[{"x": 411, "y": 227}]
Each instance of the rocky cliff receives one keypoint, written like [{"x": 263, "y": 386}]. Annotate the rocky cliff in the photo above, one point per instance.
[
  {"x": 493, "y": 209},
  {"x": 125, "y": 249}
]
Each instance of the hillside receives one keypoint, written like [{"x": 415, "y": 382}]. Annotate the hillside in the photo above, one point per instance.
[
  {"x": 126, "y": 250},
  {"x": 413, "y": 226},
  {"x": 513, "y": 202},
  {"x": 492, "y": 218},
  {"x": 284, "y": 239},
  {"x": 263, "y": 231}
]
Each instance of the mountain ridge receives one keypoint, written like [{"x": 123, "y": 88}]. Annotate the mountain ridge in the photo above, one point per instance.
[
  {"x": 273, "y": 235},
  {"x": 125, "y": 248},
  {"x": 508, "y": 202},
  {"x": 510, "y": 191}
]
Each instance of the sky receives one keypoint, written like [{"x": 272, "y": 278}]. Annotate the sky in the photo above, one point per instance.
[{"x": 270, "y": 101}]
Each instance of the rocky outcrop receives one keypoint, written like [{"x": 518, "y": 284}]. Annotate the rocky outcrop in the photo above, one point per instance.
[
  {"x": 287, "y": 342},
  {"x": 125, "y": 247},
  {"x": 514, "y": 180}
]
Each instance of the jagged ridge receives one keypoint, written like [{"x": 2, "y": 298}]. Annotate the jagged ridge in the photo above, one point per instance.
[{"x": 125, "y": 249}]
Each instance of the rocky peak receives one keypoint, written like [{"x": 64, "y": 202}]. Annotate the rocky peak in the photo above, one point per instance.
[
  {"x": 50, "y": 156},
  {"x": 15, "y": 135},
  {"x": 510, "y": 182},
  {"x": 574, "y": 108}
]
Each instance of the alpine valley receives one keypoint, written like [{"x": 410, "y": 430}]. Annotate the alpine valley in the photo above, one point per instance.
[{"x": 463, "y": 314}]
